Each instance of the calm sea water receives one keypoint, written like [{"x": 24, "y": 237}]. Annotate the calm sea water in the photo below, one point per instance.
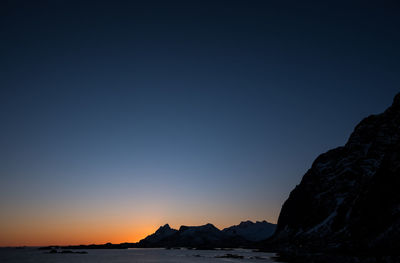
[{"x": 32, "y": 255}]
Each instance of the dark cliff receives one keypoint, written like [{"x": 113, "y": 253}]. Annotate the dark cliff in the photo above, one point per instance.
[{"x": 349, "y": 200}]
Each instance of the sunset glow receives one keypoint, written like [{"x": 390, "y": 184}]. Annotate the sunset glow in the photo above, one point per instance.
[{"x": 117, "y": 117}]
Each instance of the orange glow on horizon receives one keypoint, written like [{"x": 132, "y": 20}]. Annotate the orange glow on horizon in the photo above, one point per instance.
[
  {"x": 102, "y": 222},
  {"x": 82, "y": 235},
  {"x": 73, "y": 236},
  {"x": 68, "y": 237}
]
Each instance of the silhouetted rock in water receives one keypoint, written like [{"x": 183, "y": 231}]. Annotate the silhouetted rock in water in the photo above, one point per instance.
[
  {"x": 349, "y": 200},
  {"x": 54, "y": 251},
  {"x": 49, "y": 248},
  {"x": 230, "y": 256},
  {"x": 251, "y": 231}
]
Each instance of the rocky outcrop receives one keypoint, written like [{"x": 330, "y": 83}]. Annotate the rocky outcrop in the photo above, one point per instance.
[
  {"x": 250, "y": 231},
  {"x": 349, "y": 199}
]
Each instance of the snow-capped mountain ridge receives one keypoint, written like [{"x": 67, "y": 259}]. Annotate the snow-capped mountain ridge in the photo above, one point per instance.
[
  {"x": 209, "y": 236},
  {"x": 248, "y": 230}
]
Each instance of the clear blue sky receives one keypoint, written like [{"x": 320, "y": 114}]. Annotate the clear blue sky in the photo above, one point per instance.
[{"x": 128, "y": 114}]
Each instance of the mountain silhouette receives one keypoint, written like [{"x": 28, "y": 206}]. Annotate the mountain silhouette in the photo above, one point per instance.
[{"x": 208, "y": 236}]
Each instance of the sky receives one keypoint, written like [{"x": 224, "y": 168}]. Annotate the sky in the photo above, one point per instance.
[{"x": 117, "y": 117}]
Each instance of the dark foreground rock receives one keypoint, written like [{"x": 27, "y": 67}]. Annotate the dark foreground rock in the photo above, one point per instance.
[{"x": 349, "y": 201}]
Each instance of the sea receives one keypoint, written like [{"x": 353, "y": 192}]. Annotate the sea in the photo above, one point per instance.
[{"x": 135, "y": 255}]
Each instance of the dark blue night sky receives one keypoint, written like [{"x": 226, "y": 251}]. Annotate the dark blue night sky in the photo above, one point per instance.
[{"x": 131, "y": 114}]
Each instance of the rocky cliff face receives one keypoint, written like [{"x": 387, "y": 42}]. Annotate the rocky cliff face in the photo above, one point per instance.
[{"x": 350, "y": 198}]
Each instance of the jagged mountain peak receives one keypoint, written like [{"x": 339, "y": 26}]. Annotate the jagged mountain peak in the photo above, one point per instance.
[
  {"x": 166, "y": 226},
  {"x": 163, "y": 228},
  {"x": 396, "y": 101}
]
